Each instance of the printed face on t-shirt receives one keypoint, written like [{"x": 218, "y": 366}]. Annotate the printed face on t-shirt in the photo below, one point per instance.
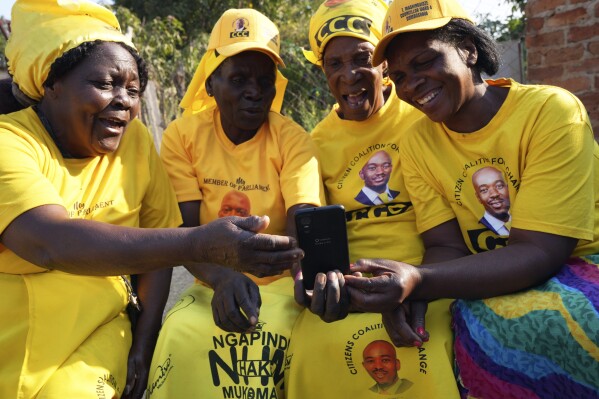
[
  {"x": 381, "y": 363},
  {"x": 235, "y": 203},
  {"x": 377, "y": 171},
  {"x": 492, "y": 192}
]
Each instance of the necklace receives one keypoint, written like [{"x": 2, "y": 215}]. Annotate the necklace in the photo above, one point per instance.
[{"x": 48, "y": 127}]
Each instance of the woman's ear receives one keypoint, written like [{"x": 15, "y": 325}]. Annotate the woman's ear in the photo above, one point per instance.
[
  {"x": 385, "y": 68},
  {"x": 469, "y": 52}
]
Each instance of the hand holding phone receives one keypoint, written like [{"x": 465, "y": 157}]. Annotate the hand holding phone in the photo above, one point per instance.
[{"x": 322, "y": 235}]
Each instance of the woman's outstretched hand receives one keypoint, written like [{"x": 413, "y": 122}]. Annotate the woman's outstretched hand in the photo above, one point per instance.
[{"x": 237, "y": 243}]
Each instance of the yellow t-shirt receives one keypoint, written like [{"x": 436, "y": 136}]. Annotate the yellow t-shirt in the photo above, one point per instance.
[
  {"x": 51, "y": 314},
  {"x": 386, "y": 230},
  {"x": 266, "y": 175},
  {"x": 539, "y": 166},
  {"x": 323, "y": 352}
]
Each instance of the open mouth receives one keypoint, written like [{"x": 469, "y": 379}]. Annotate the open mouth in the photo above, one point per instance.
[
  {"x": 356, "y": 100},
  {"x": 114, "y": 124}
]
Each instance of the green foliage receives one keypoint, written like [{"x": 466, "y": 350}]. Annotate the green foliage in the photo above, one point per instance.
[{"x": 162, "y": 42}]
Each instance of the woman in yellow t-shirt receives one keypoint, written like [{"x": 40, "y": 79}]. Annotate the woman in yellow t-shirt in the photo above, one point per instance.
[
  {"x": 358, "y": 144},
  {"x": 504, "y": 178},
  {"x": 85, "y": 199},
  {"x": 232, "y": 152}
]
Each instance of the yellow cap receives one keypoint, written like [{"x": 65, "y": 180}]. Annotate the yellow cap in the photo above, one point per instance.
[
  {"x": 237, "y": 30},
  {"x": 43, "y": 30},
  {"x": 245, "y": 29},
  {"x": 355, "y": 18},
  {"x": 416, "y": 15}
]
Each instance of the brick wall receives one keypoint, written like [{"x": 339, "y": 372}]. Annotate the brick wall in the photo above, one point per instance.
[{"x": 562, "y": 40}]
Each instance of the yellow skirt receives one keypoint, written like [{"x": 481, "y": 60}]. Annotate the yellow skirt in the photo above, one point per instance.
[
  {"x": 63, "y": 336},
  {"x": 196, "y": 359}
]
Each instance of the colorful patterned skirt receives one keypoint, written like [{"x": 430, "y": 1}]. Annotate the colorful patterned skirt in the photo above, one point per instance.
[{"x": 541, "y": 343}]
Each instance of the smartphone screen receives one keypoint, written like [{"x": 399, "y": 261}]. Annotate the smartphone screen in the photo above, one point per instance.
[{"x": 322, "y": 235}]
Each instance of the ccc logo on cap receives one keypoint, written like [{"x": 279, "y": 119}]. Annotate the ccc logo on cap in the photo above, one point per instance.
[
  {"x": 240, "y": 26},
  {"x": 343, "y": 23}
]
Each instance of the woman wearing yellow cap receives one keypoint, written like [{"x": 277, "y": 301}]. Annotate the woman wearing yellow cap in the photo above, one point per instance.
[
  {"x": 359, "y": 150},
  {"x": 503, "y": 177},
  {"x": 233, "y": 153},
  {"x": 79, "y": 176}
]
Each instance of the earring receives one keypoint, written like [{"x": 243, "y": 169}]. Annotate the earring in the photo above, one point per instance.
[{"x": 209, "y": 94}]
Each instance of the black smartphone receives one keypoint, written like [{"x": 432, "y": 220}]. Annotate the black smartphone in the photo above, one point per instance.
[{"x": 322, "y": 235}]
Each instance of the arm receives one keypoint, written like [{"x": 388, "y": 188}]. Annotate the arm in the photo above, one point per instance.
[
  {"x": 47, "y": 237},
  {"x": 529, "y": 259}
]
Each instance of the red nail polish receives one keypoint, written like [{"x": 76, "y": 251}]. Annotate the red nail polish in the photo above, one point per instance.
[
  {"x": 417, "y": 343},
  {"x": 420, "y": 330}
]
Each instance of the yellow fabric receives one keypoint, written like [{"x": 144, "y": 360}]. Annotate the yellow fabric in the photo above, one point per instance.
[
  {"x": 276, "y": 169},
  {"x": 416, "y": 15},
  {"x": 542, "y": 142},
  {"x": 319, "y": 352},
  {"x": 237, "y": 30},
  {"x": 381, "y": 231},
  {"x": 128, "y": 187},
  {"x": 53, "y": 318},
  {"x": 196, "y": 359},
  {"x": 355, "y": 18},
  {"x": 56, "y": 316},
  {"x": 43, "y": 30}
]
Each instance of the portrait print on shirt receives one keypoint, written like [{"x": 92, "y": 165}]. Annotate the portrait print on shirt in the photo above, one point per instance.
[
  {"x": 483, "y": 192},
  {"x": 376, "y": 173},
  {"x": 493, "y": 193},
  {"x": 382, "y": 365},
  {"x": 235, "y": 203}
]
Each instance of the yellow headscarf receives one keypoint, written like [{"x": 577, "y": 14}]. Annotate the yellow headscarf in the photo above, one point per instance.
[
  {"x": 237, "y": 30},
  {"x": 43, "y": 30},
  {"x": 356, "y": 18}
]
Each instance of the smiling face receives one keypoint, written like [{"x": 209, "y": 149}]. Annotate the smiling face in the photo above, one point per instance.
[
  {"x": 377, "y": 171},
  {"x": 89, "y": 107},
  {"x": 354, "y": 82},
  {"x": 244, "y": 89},
  {"x": 492, "y": 192},
  {"x": 381, "y": 363},
  {"x": 433, "y": 76}
]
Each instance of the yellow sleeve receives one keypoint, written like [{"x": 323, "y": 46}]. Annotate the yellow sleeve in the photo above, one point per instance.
[
  {"x": 428, "y": 198},
  {"x": 176, "y": 153},
  {"x": 159, "y": 206},
  {"x": 23, "y": 185},
  {"x": 300, "y": 176},
  {"x": 557, "y": 191}
]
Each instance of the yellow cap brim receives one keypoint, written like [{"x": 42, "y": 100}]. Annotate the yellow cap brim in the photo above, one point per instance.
[
  {"x": 236, "y": 48},
  {"x": 379, "y": 52}
]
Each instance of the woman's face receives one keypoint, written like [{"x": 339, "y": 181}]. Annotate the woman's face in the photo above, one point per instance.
[
  {"x": 354, "y": 82},
  {"x": 244, "y": 89},
  {"x": 432, "y": 75},
  {"x": 90, "y": 106}
]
